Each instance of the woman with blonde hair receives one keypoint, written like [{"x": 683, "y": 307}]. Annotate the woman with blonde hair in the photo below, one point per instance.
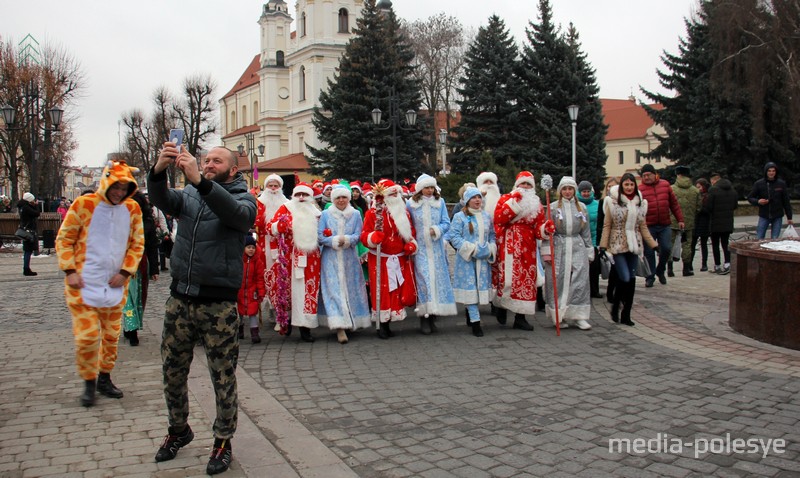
[
  {"x": 624, "y": 234},
  {"x": 573, "y": 251}
]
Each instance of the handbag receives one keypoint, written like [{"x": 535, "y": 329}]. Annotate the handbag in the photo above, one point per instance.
[
  {"x": 606, "y": 263},
  {"x": 676, "y": 247},
  {"x": 24, "y": 234},
  {"x": 643, "y": 267}
]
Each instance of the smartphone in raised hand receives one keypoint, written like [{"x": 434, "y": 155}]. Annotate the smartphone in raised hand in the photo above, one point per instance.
[{"x": 176, "y": 136}]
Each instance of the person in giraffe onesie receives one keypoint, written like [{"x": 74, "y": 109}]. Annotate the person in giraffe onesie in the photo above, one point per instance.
[{"x": 99, "y": 246}]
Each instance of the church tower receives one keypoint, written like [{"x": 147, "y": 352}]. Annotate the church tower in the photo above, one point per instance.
[{"x": 275, "y": 23}]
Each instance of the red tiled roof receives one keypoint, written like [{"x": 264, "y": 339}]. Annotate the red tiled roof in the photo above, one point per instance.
[
  {"x": 244, "y": 129},
  {"x": 626, "y": 119},
  {"x": 290, "y": 162},
  {"x": 249, "y": 77}
]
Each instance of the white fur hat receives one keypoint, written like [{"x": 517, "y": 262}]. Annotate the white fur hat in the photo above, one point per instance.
[
  {"x": 273, "y": 177},
  {"x": 567, "y": 181},
  {"x": 340, "y": 190},
  {"x": 486, "y": 176},
  {"x": 28, "y": 197},
  {"x": 303, "y": 188},
  {"x": 425, "y": 181}
]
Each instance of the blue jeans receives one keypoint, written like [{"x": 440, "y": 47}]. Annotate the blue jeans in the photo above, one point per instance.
[
  {"x": 663, "y": 236},
  {"x": 625, "y": 264},
  {"x": 764, "y": 223}
]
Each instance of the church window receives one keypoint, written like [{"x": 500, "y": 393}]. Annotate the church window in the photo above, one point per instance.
[
  {"x": 279, "y": 58},
  {"x": 344, "y": 21},
  {"x": 302, "y": 83},
  {"x": 303, "y": 24}
]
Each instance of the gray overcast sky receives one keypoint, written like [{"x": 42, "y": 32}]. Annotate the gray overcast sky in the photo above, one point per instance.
[{"x": 127, "y": 49}]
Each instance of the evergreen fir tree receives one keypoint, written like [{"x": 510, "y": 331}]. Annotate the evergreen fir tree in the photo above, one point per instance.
[
  {"x": 376, "y": 64},
  {"x": 549, "y": 82},
  {"x": 703, "y": 130},
  {"x": 591, "y": 131},
  {"x": 488, "y": 101}
]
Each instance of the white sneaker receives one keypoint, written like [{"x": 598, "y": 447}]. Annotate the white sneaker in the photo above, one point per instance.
[
  {"x": 583, "y": 325},
  {"x": 277, "y": 327}
]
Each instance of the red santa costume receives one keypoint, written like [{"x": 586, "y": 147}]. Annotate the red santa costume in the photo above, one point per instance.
[
  {"x": 296, "y": 221},
  {"x": 268, "y": 203},
  {"x": 396, "y": 238},
  {"x": 519, "y": 221},
  {"x": 487, "y": 185}
]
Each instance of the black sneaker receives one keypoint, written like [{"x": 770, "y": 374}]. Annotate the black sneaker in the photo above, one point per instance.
[
  {"x": 221, "y": 456},
  {"x": 172, "y": 443}
]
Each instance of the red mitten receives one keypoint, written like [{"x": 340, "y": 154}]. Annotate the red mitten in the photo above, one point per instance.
[
  {"x": 516, "y": 195},
  {"x": 283, "y": 225},
  {"x": 410, "y": 248},
  {"x": 327, "y": 232},
  {"x": 376, "y": 237},
  {"x": 549, "y": 227}
]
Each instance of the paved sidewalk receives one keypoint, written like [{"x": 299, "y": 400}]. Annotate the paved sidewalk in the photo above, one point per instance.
[{"x": 511, "y": 403}]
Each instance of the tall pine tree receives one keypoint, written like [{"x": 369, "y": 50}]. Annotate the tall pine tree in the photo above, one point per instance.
[
  {"x": 549, "y": 82},
  {"x": 488, "y": 101},
  {"x": 375, "y": 71},
  {"x": 703, "y": 130}
]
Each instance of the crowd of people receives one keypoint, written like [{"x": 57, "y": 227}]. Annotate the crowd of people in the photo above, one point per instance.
[{"x": 346, "y": 256}]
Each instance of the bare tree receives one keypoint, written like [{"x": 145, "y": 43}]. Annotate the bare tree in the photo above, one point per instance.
[
  {"x": 142, "y": 140},
  {"x": 196, "y": 111},
  {"x": 28, "y": 86},
  {"x": 439, "y": 47}
]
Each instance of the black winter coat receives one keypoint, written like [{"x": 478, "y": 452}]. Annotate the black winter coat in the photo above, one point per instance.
[
  {"x": 721, "y": 202},
  {"x": 776, "y": 192}
]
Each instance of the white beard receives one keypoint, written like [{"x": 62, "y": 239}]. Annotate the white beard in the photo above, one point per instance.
[
  {"x": 305, "y": 216},
  {"x": 397, "y": 209},
  {"x": 491, "y": 194},
  {"x": 530, "y": 204},
  {"x": 272, "y": 201}
]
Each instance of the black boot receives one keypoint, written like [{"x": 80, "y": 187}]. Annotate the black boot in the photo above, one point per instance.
[
  {"x": 133, "y": 337},
  {"x": 105, "y": 387},
  {"x": 87, "y": 399},
  {"x": 476, "y": 329},
  {"x": 425, "y": 325},
  {"x": 254, "y": 337},
  {"x": 434, "y": 329},
  {"x": 241, "y": 331},
  {"x": 687, "y": 270},
  {"x": 627, "y": 303},
  {"x": 383, "y": 331},
  {"x": 521, "y": 323},
  {"x": 502, "y": 316},
  {"x": 670, "y": 271},
  {"x": 28, "y": 272},
  {"x": 305, "y": 335},
  {"x": 615, "y": 300}
]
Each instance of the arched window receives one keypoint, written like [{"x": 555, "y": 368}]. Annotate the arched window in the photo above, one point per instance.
[
  {"x": 255, "y": 112},
  {"x": 302, "y": 83},
  {"x": 244, "y": 115},
  {"x": 233, "y": 121},
  {"x": 303, "y": 24},
  {"x": 344, "y": 21},
  {"x": 279, "y": 58}
]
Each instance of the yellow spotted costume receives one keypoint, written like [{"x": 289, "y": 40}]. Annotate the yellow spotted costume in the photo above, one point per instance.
[{"x": 98, "y": 239}]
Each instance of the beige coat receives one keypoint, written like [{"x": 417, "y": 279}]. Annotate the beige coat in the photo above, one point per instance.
[{"x": 625, "y": 227}]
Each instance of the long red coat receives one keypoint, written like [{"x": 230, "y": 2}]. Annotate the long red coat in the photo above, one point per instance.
[
  {"x": 253, "y": 288},
  {"x": 393, "y": 303},
  {"x": 515, "y": 271}
]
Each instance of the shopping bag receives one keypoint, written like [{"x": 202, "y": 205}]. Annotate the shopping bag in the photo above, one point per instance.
[
  {"x": 606, "y": 263},
  {"x": 24, "y": 234},
  {"x": 643, "y": 268},
  {"x": 676, "y": 246},
  {"x": 789, "y": 233}
]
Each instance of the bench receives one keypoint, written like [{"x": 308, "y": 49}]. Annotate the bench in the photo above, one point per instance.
[{"x": 9, "y": 222}]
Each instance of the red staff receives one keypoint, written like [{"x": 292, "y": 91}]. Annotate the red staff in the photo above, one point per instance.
[{"x": 547, "y": 184}]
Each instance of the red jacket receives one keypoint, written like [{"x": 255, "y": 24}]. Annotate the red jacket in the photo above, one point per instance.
[
  {"x": 253, "y": 287},
  {"x": 661, "y": 200}
]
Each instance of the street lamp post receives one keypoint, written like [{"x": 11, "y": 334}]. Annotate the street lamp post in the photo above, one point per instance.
[
  {"x": 32, "y": 113},
  {"x": 443, "y": 142},
  {"x": 393, "y": 122},
  {"x": 573, "y": 117},
  {"x": 372, "y": 155},
  {"x": 250, "y": 139}
]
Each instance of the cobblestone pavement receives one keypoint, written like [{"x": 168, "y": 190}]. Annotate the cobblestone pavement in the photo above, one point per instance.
[{"x": 511, "y": 403}]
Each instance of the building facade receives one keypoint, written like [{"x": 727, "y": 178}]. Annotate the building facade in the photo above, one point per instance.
[{"x": 274, "y": 99}]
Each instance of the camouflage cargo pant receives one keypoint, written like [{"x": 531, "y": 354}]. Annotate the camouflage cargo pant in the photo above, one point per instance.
[{"x": 215, "y": 325}]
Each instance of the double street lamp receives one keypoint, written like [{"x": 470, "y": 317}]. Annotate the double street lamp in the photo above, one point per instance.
[
  {"x": 393, "y": 122},
  {"x": 573, "y": 117},
  {"x": 32, "y": 113},
  {"x": 250, "y": 139}
]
